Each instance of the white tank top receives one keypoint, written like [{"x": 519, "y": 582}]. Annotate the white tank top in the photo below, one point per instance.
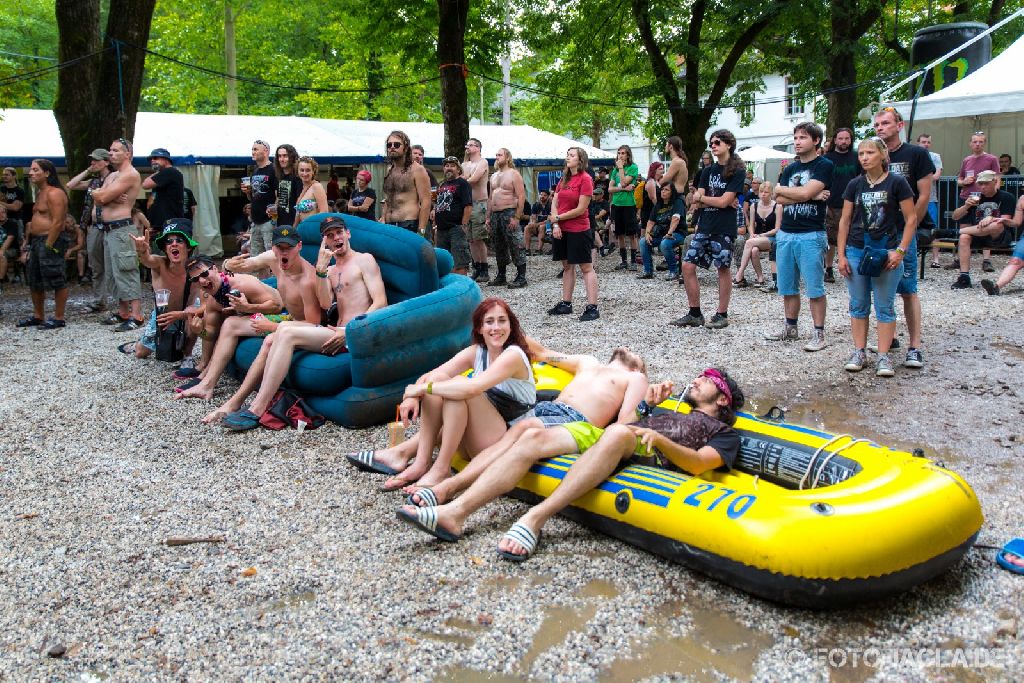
[{"x": 522, "y": 390}]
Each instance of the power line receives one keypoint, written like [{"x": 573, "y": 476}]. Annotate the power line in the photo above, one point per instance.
[
  {"x": 18, "y": 54},
  {"x": 35, "y": 74}
]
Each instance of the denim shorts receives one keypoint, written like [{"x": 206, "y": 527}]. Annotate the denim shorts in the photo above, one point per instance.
[
  {"x": 908, "y": 283},
  {"x": 553, "y": 413},
  {"x": 1018, "y": 251},
  {"x": 801, "y": 256},
  {"x": 864, "y": 289}
]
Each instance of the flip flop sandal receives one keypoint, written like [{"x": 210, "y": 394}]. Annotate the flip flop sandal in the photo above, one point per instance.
[
  {"x": 181, "y": 388},
  {"x": 521, "y": 534},
  {"x": 428, "y": 499},
  {"x": 241, "y": 421},
  {"x": 128, "y": 348},
  {"x": 1014, "y": 548},
  {"x": 366, "y": 462},
  {"x": 425, "y": 519}
]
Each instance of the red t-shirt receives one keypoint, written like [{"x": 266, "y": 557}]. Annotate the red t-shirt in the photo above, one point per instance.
[
  {"x": 569, "y": 195},
  {"x": 977, "y": 164}
]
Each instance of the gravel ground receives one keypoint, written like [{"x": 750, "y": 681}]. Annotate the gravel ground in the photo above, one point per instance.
[{"x": 317, "y": 579}]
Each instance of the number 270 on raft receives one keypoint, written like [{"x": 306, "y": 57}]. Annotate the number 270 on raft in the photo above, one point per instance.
[{"x": 705, "y": 497}]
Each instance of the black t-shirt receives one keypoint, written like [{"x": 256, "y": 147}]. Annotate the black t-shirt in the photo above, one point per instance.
[
  {"x": 189, "y": 203},
  {"x": 168, "y": 197},
  {"x": 9, "y": 229},
  {"x": 877, "y": 209},
  {"x": 595, "y": 207},
  {"x": 696, "y": 430},
  {"x": 847, "y": 167},
  {"x": 662, "y": 216},
  {"x": 14, "y": 194},
  {"x": 359, "y": 196},
  {"x": 805, "y": 216},
  {"x": 453, "y": 196},
  {"x": 1002, "y": 204},
  {"x": 289, "y": 187},
  {"x": 263, "y": 184},
  {"x": 714, "y": 221},
  {"x": 913, "y": 163},
  {"x": 542, "y": 210}
]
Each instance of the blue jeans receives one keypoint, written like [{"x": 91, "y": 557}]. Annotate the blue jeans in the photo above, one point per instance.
[
  {"x": 863, "y": 289},
  {"x": 801, "y": 255},
  {"x": 908, "y": 281},
  {"x": 667, "y": 245}
]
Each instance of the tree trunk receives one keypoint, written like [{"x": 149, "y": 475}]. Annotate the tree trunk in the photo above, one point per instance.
[
  {"x": 78, "y": 25},
  {"x": 230, "y": 60},
  {"x": 847, "y": 28},
  {"x": 120, "y": 84},
  {"x": 596, "y": 131},
  {"x": 451, "y": 58}
]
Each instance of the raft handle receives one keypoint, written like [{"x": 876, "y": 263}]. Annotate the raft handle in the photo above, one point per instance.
[
  {"x": 823, "y": 509},
  {"x": 775, "y": 414},
  {"x": 622, "y": 502},
  {"x": 918, "y": 452}
]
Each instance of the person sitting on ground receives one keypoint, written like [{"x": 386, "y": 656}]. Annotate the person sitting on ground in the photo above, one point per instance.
[
  {"x": 764, "y": 216},
  {"x": 226, "y": 316},
  {"x": 663, "y": 231},
  {"x": 168, "y": 273},
  {"x": 984, "y": 218},
  {"x": 694, "y": 442},
  {"x": 870, "y": 222},
  {"x": 598, "y": 213},
  {"x": 537, "y": 227},
  {"x": 598, "y": 394},
  {"x": 465, "y": 413},
  {"x": 1016, "y": 261},
  {"x": 357, "y": 288}
]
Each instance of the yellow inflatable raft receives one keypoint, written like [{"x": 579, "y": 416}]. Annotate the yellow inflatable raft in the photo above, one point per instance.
[{"x": 805, "y": 517}]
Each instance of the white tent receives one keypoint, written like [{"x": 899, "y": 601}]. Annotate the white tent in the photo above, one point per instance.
[
  {"x": 991, "y": 99},
  {"x": 758, "y": 153}
]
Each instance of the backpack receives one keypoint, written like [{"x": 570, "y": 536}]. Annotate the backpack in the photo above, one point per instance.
[{"x": 638, "y": 192}]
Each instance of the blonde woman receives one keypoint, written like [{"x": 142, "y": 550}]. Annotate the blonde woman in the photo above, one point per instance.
[
  {"x": 313, "y": 198},
  {"x": 763, "y": 217}
]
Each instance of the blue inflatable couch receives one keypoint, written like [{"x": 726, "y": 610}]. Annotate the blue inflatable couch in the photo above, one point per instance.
[{"x": 427, "y": 321}]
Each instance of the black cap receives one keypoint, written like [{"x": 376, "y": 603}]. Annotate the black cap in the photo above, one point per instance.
[
  {"x": 332, "y": 222},
  {"x": 160, "y": 153},
  {"x": 285, "y": 234},
  {"x": 199, "y": 260}
]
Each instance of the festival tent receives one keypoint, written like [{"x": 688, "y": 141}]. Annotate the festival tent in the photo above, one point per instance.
[
  {"x": 765, "y": 162},
  {"x": 991, "y": 99},
  {"x": 201, "y": 145}
]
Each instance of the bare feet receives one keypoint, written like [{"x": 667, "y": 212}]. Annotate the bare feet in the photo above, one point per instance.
[
  {"x": 1015, "y": 560},
  {"x": 399, "y": 481},
  {"x": 421, "y": 499},
  {"x": 198, "y": 391},
  {"x": 220, "y": 413},
  {"x": 393, "y": 458}
]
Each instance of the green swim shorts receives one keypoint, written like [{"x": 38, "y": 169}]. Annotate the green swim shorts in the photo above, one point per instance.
[{"x": 583, "y": 433}]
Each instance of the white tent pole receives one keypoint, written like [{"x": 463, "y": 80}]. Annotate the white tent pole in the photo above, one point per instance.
[{"x": 885, "y": 93}]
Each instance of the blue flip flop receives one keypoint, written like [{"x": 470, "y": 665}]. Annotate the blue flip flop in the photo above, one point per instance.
[
  {"x": 1016, "y": 549},
  {"x": 186, "y": 373},
  {"x": 241, "y": 421}
]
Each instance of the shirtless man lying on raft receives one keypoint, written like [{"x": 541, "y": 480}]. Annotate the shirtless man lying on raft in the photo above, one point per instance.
[{"x": 700, "y": 440}]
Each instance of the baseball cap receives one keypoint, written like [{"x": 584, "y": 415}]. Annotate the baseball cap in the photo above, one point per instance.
[
  {"x": 332, "y": 222},
  {"x": 160, "y": 153},
  {"x": 176, "y": 226},
  {"x": 285, "y": 234},
  {"x": 986, "y": 177},
  {"x": 453, "y": 160},
  {"x": 365, "y": 175},
  {"x": 598, "y": 190},
  {"x": 199, "y": 260},
  {"x": 100, "y": 154}
]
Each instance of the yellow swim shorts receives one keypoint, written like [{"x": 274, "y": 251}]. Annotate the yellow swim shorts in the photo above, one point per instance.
[{"x": 583, "y": 433}]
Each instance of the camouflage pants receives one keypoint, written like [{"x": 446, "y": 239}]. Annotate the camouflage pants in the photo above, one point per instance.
[{"x": 507, "y": 239}]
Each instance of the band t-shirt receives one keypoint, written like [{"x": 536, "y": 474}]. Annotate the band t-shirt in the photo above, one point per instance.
[
  {"x": 9, "y": 229},
  {"x": 168, "y": 197},
  {"x": 694, "y": 430},
  {"x": 289, "y": 187},
  {"x": 1001, "y": 204},
  {"x": 913, "y": 163},
  {"x": 877, "y": 210},
  {"x": 453, "y": 196},
  {"x": 263, "y": 190},
  {"x": 662, "y": 215},
  {"x": 569, "y": 193},
  {"x": 11, "y": 195},
  {"x": 360, "y": 196},
  {"x": 847, "y": 167},
  {"x": 805, "y": 216},
  {"x": 624, "y": 198},
  {"x": 715, "y": 221},
  {"x": 595, "y": 207}
]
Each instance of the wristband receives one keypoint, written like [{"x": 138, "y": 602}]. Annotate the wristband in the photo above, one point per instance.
[
  {"x": 430, "y": 387},
  {"x": 321, "y": 274},
  {"x": 901, "y": 251}
]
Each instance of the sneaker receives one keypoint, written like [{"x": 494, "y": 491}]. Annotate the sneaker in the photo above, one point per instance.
[
  {"x": 914, "y": 359},
  {"x": 830, "y": 275},
  {"x": 883, "y": 368},
  {"x": 671, "y": 276},
  {"x": 817, "y": 342},
  {"x": 114, "y": 319},
  {"x": 788, "y": 333},
  {"x": 52, "y": 324},
  {"x": 987, "y": 266},
  {"x": 962, "y": 282},
  {"x": 991, "y": 288},
  {"x": 482, "y": 276},
  {"x": 129, "y": 325},
  {"x": 770, "y": 288},
  {"x": 622, "y": 266},
  {"x": 855, "y": 363},
  {"x": 689, "y": 320},
  {"x": 717, "y": 322},
  {"x": 873, "y": 348},
  {"x": 563, "y": 308},
  {"x": 29, "y": 322},
  {"x": 590, "y": 313},
  {"x": 645, "y": 276}
]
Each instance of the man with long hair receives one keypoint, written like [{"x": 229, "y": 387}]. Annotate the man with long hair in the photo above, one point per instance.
[
  {"x": 712, "y": 243},
  {"x": 623, "y": 205},
  {"x": 45, "y": 244},
  {"x": 508, "y": 194},
  {"x": 406, "y": 187},
  {"x": 289, "y": 186},
  {"x": 677, "y": 172}
]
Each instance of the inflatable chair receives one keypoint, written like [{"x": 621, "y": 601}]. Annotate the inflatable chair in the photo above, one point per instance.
[{"x": 427, "y": 321}]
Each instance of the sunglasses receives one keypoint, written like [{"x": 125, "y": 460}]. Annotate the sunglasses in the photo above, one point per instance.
[
  {"x": 394, "y": 145},
  {"x": 174, "y": 240},
  {"x": 979, "y": 132},
  {"x": 715, "y": 143},
  {"x": 201, "y": 276},
  {"x": 719, "y": 381}
]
